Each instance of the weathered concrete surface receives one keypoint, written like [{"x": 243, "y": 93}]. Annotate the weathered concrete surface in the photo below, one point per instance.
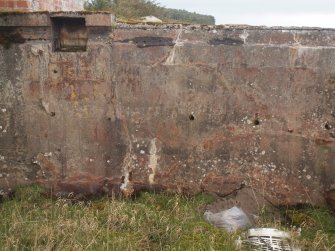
[
  {"x": 41, "y": 5},
  {"x": 181, "y": 108}
]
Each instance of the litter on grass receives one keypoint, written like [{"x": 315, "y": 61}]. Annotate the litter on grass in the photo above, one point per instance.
[{"x": 231, "y": 219}]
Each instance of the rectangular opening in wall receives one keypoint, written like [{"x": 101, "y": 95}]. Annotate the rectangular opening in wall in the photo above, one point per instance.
[{"x": 69, "y": 34}]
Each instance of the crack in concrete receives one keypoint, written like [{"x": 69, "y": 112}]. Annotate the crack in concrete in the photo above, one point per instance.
[{"x": 170, "y": 59}]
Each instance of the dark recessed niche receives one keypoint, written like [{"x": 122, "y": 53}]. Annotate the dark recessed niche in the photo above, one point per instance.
[
  {"x": 256, "y": 122},
  {"x": 52, "y": 114},
  {"x": 328, "y": 126},
  {"x": 143, "y": 42},
  {"x": 191, "y": 117},
  {"x": 69, "y": 34}
]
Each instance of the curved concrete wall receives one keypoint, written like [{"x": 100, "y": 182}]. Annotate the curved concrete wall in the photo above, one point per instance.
[{"x": 182, "y": 108}]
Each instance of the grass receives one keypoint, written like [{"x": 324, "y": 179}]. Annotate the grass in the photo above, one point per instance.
[
  {"x": 318, "y": 228},
  {"x": 151, "y": 222},
  {"x": 30, "y": 221}
]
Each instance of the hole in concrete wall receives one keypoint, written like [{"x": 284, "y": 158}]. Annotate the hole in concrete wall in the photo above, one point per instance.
[
  {"x": 52, "y": 114},
  {"x": 55, "y": 71},
  {"x": 328, "y": 126},
  {"x": 109, "y": 118},
  {"x": 191, "y": 117},
  {"x": 9, "y": 36},
  {"x": 69, "y": 34},
  {"x": 148, "y": 41},
  {"x": 225, "y": 41},
  {"x": 256, "y": 122}
]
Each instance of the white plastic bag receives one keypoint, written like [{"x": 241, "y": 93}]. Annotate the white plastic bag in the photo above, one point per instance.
[{"x": 231, "y": 219}]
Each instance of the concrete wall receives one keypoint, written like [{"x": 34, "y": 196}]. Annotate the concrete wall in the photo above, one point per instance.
[
  {"x": 182, "y": 108},
  {"x": 42, "y": 5}
]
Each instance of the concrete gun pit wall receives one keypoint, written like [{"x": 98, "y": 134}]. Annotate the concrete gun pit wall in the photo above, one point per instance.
[{"x": 171, "y": 107}]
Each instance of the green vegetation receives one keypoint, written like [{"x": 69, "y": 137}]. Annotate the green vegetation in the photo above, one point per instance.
[
  {"x": 318, "y": 228},
  {"x": 30, "y": 221},
  {"x": 135, "y": 9},
  {"x": 186, "y": 16},
  {"x": 98, "y": 5},
  {"x": 150, "y": 222}
]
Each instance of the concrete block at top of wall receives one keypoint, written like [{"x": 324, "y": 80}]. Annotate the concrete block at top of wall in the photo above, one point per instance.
[
  {"x": 100, "y": 19},
  {"x": 7, "y": 4},
  {"x": 14, "y": 5},
  {"x": 22, "y": 4},
  {"x": 91, "y": 19},
  {"x": 43, "y": 19},
  {"x": 42, "y": 5},
  {"x": 24, "y": 19}
]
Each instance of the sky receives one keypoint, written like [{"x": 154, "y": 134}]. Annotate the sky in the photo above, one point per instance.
[{"x": 310, "y": 13}]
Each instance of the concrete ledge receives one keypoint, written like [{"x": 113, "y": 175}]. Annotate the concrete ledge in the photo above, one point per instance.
[
  {"x": 35, "y": 19},
  {"x": 24, "y": 19},
  {"x": 91, "y": 18}
]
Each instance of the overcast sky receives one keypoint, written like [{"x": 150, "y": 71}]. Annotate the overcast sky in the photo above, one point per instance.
[{"x": 317, "y": 13}]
